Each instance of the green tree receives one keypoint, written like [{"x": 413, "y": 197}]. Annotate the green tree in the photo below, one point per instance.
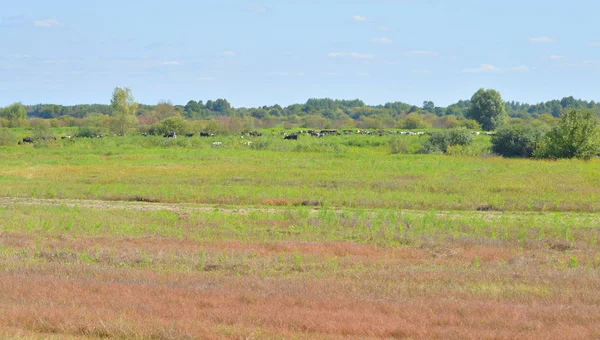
[
  {"x": 14, "y": 112},
  {"x": 487, "y": 108},
  {"x": 123, "y": 108},
  {"x": 575, "y": 136},
  {"x": 429, "y": 106}
]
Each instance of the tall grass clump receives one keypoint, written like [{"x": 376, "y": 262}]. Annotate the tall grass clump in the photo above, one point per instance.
[{"x": 7, "y": 137}]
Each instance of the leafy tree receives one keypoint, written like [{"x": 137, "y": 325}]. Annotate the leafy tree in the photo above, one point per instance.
[
  {"x": 124, "y": 108},
  {"x": 14, "y": 112},
  {"x": 517, "y": 140},
  {"x": 429, "y": 106},
  {"x": 575, "y": 136},
  {"x": 487, "y": 108}
]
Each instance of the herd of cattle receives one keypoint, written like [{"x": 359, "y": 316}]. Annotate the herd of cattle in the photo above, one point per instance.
[{"x": 285, "y": 135}]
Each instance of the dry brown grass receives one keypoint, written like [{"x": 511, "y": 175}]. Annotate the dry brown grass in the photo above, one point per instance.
[{"x": 372, "y": 292}]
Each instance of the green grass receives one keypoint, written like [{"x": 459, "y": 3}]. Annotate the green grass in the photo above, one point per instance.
[{"x": 329, "y": 171}]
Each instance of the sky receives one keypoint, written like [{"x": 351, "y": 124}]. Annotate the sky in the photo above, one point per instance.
[{"x": 267, "y": 52}]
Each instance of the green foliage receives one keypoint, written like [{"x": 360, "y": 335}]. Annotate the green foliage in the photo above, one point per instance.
[
  {"x": 414, "y": 121},
  {"x": 7, "y": 137},
  {"x": 575, "y": 136},
  {"x": 14, "y": 112},
  {"x": 405, "y": 145},
  {"x": 441, "y": 141},
  {"x": 517, "y": 140},
  {"x": 97, "y": 125},
  {"x": 171, "y": 124},
  {"x": 470, "y": 124},
  {"x": 124, "y": 108},
  {"x": 487, "y": 108}
]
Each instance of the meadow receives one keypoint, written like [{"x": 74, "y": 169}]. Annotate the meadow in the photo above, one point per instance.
[{"x": 156, "y": 238}]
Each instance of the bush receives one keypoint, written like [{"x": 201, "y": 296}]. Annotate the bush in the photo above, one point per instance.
[
  {"x": 7, "y": 137},
  {"x": 414, "y": 121},
  {"x": 470, "y": 124},
  {"x": 89, "y": 131},
  {"x": 168, "y": 125},
  {"x": 440, "y": 141},
  {"x": 517, "y": 140},
  {"x": 575, "y": 136}
]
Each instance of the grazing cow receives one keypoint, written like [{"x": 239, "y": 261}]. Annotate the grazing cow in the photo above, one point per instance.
[
  {"x": 65, "y": 137},
  {"x": 26, "y": 140},
  {"x": 170, "y": 135},
  {"x": 144, "y": 134},
  {"x": 205, "y": 134},
  {"x": 248, "y": 143},
  {"x": 216, "y": 144},
  {"x": 291, "y": 137},
  {"x": 189, "y": 135}
]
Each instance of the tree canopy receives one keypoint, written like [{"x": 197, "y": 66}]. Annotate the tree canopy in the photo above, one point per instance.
[{"x": 487, "y": 108}]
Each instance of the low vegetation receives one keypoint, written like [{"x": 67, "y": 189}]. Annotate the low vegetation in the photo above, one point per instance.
[{"x": 110, "y": 230}]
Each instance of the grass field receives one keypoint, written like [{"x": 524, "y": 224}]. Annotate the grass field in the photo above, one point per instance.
[{"x": 157, "y": 238}]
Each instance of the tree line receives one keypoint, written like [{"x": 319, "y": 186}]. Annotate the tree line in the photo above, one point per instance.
[
  {"x": 518, "y": 133},
  {"x": 325, "y": 107}
]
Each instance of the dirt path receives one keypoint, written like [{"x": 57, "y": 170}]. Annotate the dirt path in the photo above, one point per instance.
[{"x": 183, "y": 207}]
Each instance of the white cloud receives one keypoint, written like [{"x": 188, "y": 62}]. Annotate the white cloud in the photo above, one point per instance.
[
  {"x": 289, "y": 74},
  {"x": 228, "y": 54},
  {"x": 421, "y": 53},
  {"x": 354, "y": 55},
  {"x": 541, "y": 40},
  {"x": 47, "y": 23},
  {"x": 489, "y": 68},
  {"x": 381, "y": 41},
  {"x": 484, "y": 68},
  {"x": 556, "y": 57},
  {"x": 594, "y": 44},
  {"x": 521, "y": 68},
  {"x": 423, "y": 72},
  {"x": 359, "y": 18},
  {"x": 171, "y": 63},
  {"x": 363, "y": 74}
]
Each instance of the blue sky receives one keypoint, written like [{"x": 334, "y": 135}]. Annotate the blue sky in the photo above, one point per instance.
[{"x": 265, "y": 52}]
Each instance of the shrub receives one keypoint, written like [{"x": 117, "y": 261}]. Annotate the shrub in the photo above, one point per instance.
[
  {"x": 575, "y": 136},
  {"x": 168, "y": 125},
  {"x": 7, "y": 137},
  {"x": 440, "y": 141},
  {"x": 414, "y": 121},
  {"x": 517, "y": 140},
  {"x": 470, "y": 124},
  {"x": 89, "y": 131}
]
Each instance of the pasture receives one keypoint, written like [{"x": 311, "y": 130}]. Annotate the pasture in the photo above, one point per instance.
[{"x": 151, "y": 237}]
